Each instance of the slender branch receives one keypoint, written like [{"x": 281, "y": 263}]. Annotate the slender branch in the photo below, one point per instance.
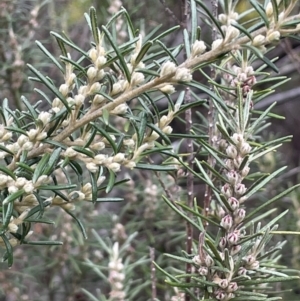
[
  {"x": 153, "y": 276},
  {"x": 126, "y": 96},
  {"x": 170, "y": 12}
]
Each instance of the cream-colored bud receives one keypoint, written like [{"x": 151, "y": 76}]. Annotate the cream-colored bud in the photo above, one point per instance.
[
  {"x": 12, "y": 189},
  {"x": 100, "y": 159},
  {"x": 232, "y": 33},
  {"x": 273, "y": 36},
  {"x": 168, "y": 89},
  {"x": 129, "y": 142},
  {"x": 79, "y": 100},
  {"x": 117, "y": 88},
  {"x": 154, "y": 136},
  {"x": 56, "y": 102},
  {"x": 198, "y": 48},
  {"x": 137, "y": 78},
  {"x": 167, "y": 130},
  {"x": 92, "y": 73},
  {"x": 70, "y": 79},
  {"x": 28, "y": 146},
  {"x": 92, "y": 167},
  {"x": 98, "y": 99},
  {"x": 3, "y": 180},
  {"x": 12, "y": 228},
  {"x": 83, "y": 90},
  {"x": 64, "y": 89},
  {"x": 115, "y": 167},
  {"x": 183, "y": 75},
  {"x": 28, "y": 187},
  {"x": 223, "y": 18},
  {"x": 20, "y": 182},
  {"x": 32, "y": 134},
  {"x": 70, "y": 152},
  {"x": 43, "y": 179},
  {"x": 93, "y": 54},
  {"x": 130, "y": 165},
  {"x": 120, "y": 109},
  {"x": 100, "y": 180},
  {"x": 41, "y": 136},
  {"x": 95, "y": 88},
  {"x": 216, "y": 44},
  {"x": 7, "y": 136},
  {"x": 97, "y": 146},
  {"x": 100, "y": 74},
  {"x": 167, "y": 68},
  {"x": 87, "y": 188},
  {"x": 44, "y": 117},
  {"x": 269, "y": 10},
  {"x": 258, "y": 40},
  {"x": 101, "y": 60},
  {"x": 22, "y": 139},
  {"x": 120, "y": 157}
]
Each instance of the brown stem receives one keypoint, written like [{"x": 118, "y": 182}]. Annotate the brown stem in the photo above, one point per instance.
[{"x": 153, "y": 276}]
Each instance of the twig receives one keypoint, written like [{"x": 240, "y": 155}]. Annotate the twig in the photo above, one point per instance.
[
  {"x": 170, "y": 12},
  {"x": 153, "y": 276}
]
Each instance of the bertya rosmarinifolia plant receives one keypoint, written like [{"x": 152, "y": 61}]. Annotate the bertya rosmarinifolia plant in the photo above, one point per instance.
[{"x": 69, "y": 153}]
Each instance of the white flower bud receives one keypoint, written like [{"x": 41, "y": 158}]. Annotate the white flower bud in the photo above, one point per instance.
[
  {"x": 223, "y": 18},
  {"x": 41, "y": 136},
  {"x": 167, "y": 130},
  {"x": 100, "y": 159},
  {"x": 95, "y": 88},
  {"x": 83, "y": 90},
  {"x": 226, "y": 222},
  {"x": 101, "y": 60},
  {"x": 70, "y": 152},
  {"x": 79, "y": 100},
  {"x": 64, "y": 89},
  {"x": 231, "y": 151},
  {"x": 115, "y": 167},
  {"x": 269, "y": 10},
  {"x": 137, "y": 78},
  {"x": 100, "y": 180},
  {"x": 259, "y": 40},
  {"x": 120, "y": 157},
  {"x": 92, "y": 167},
  {"x": 28, "y": 146},
  {"x": 120, "y": 109},
  {"x": 6, "y": 136},
  {"x": 97, "y": 146},
  {"x": 129, "y": 142},
  {"x": 92, "y": 73},
  {"x": 98, "y": 99},
  {"x": 216, "y": 44},
  {"x": 273, "y": 36},
  {"x": 117, "y": 88},
  {"x": 198, "y": 48},
  {"x": 3, "y": 180},
  {"x": 183, "y": 75},
  {"x": 28, "y": 187},
  {"x": 93, "y": 54},
  {"x": 130, "y": 165},
  {"x": 100, "y": 74},
  {"x": 20, "y": 182},
  {"x": 168, "y": 89},
  {"x": 232, "y": 33},
  {"x": 32, "y": 134},
  {"x": 167, "y": 68},
  {"x": 12, "y": 227},
  {"x": 44, "y": 117},
  {"x": 70, "y": 79},
  {"x": 12, "y": 189}
]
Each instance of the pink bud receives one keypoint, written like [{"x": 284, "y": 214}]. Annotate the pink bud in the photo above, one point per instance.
[
  {"x": 234, "y": 203},
  {"x": 240, "y": 189},
  {"x": 232, "y": 238},
  {"x": 232, "y": 287},
  {"x": 239, "y": 215},
  {"x": 226, "y": 222},
  {"x": 226, "y": 190},
  {"x": 232, "y": 177},
  {"x": 222, "y": 243}
]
